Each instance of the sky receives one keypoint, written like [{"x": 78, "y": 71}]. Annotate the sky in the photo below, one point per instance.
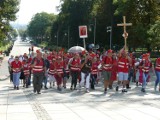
[{"x": 28, "y": 8}]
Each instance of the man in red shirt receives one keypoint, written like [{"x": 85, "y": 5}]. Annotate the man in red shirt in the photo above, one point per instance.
[
  {"x": 59, "y": 72},
  {"x": 157, "y": 71},
  {"x": 123, "y": 67},
  {"x": 74, "y": 68},
  {"x": 146, "y": 65},
  {"x": 16, "y": 66},
  {"x": 39, "y": 69},
  {"x": 107, "y": 68}
]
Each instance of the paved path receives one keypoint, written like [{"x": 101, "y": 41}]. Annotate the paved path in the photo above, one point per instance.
[{"x": 73, "y": 105}]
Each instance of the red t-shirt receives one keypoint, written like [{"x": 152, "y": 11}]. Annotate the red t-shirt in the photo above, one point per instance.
[
  {"x": 75, "y": 64},
  {"x": 108, "y": 62},
  {"x": 16, "y": 66},
  {"x": 123, "y": 65},
  {"x": 157, "y": 68}
]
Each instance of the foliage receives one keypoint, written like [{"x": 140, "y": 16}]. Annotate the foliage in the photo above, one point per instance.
[
  {"x": 63, "y": 29},
  {"x": 40, "y": 26},
  {"x": 8, "y": 10}
]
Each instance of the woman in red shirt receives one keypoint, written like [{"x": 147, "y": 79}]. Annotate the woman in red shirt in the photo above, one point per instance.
[
  {"x": 59, "y": 72},
  {"x": 26, "y": 71},
  {"x": 16, "y": 66},
  {"x": 94, "y": 72}
]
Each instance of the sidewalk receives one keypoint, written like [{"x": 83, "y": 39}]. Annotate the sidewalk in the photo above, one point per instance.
[
  {"x": 4, "y": 74},
  {"x": 74, "y": 105}
]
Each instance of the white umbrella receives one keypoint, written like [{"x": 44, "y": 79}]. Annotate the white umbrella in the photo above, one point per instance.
[{"x": 76, "y": 49}]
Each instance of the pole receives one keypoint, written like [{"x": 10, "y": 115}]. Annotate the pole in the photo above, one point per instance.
[
  {"x": 111, "y": 38},
  {"x": 125, "y": 44},
  {"x": 57, "y": 38},
  {"x": 68, "y": 37},
  {"x": 95, "y": 25},
  {"x": 84, "y": 43}
]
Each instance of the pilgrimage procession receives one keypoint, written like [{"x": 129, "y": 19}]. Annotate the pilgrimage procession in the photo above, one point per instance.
[
  {"x": 79, "y": 59},
  {"x": 84, "y": 68}
]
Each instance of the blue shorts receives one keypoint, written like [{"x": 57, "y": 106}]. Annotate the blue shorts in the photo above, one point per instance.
[{"x": 122, "y": 76}]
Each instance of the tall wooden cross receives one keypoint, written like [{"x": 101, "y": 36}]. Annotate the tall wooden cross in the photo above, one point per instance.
[{"x": 124, "y": 25}]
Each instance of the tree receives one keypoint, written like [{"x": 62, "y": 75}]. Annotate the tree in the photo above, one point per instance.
[
  {"x": 154, "y": 35},
  {"x": 8, "y": 10},
  {"x": 38, "y": 27},
  {"x": 142, "y": 13}
]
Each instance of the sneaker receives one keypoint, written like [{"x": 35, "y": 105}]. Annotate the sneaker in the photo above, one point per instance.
[
  {"x": 124, "y": 90},
  {"x": 71, "y": 88},
  {"x": 127, "y": 86},
  {"x": 143, "y": 90},
  {"x": 38, "y": 92},
  {"x": 117, "y": 88},
  {"x": 14, "y": 87},
  {"x": 17, "y": 88},
  {"x": 87, "y": 90},
  {"x": 34, "y": 91},
  {"x": 110, "y": 87},
  {"x": 59, "y": 89},
  {"x": 46, "y": 87},
  {"x": 137, "y": 84}
]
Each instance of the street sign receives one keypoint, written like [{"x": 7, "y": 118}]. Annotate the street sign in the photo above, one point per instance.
[{"x": 83, "y": 31}]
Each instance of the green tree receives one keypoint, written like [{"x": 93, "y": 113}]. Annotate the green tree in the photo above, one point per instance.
[
  {"x": 39, "y": 26},
  {"x": 8, "y": 10}
]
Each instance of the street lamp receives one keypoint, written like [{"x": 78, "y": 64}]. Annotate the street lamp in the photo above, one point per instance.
[
  {"x": 109, "y": 29},
  {"x": 56, "y": 36},
  {"x": 94, "y": 25},
  {"x": 68, "y": 33}
]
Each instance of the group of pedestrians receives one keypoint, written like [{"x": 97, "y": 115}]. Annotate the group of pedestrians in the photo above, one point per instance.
[{"x": 85, "y": 68}]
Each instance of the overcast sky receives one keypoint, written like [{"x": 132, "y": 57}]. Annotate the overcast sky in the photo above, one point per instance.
[{"x": 30, "y": 7}]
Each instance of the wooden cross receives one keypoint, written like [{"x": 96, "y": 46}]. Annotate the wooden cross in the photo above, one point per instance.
[{"x": 124, "y": 25}]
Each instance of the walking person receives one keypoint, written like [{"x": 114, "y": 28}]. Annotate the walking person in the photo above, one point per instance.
[
  {"x": 16, "y": 67},
  {"x": 47, "y": 64},
  {"x": 86, "y": 65},
  {"x": 94, "y": 72},
  {"x": 157, "y": 71},
  {"x": 65, "y": 70},
  {"x": 38, "y": 68},
  {"x": 74, "y": 64},
  {"x": 131, "y": 74},
  {"x": 26, "y": 71},
  {"x": 145, "y": 65},
  {"x": 10, "y": 60},
  {"x": 123, "y": 67},
  {"x": 107, "y": 68},
  {"x": 114, "y": 71},
  {"x": 52, "y": 73},
  {"x": 59, "y": 72}
]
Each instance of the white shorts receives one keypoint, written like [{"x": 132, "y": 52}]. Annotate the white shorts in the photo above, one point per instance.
[
  {"x": 51, "y": 78},
  {"x": 122, "y": 76}
]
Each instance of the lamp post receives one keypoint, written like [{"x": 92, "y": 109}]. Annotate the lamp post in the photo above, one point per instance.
[
  {"x": 109, "y": 29},
  {"x": 94, "y": 25},
  {"x": 67, "y": 37},
  {"x": 56, "y": 36}
]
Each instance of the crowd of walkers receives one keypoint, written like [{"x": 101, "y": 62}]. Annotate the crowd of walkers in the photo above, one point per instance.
[{"x": 84, "y": 69}]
